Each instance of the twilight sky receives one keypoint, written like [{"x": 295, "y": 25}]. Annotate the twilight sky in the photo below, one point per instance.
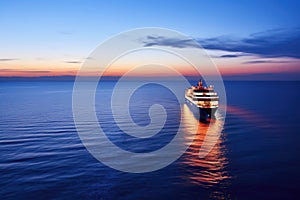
[{"x": 246, "y": 39}]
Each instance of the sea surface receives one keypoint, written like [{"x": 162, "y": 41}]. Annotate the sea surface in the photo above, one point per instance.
[{"x": 257, "y": 155}]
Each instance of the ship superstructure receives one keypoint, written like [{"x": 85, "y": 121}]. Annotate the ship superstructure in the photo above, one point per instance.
[{"x": 203, "y": 98}]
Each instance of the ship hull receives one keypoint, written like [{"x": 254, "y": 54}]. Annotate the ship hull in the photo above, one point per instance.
[
  {"x": 204, "y": 114},
  {"x": 207, "y": 113}
]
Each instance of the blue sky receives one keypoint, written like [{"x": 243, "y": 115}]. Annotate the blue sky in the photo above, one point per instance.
[{"x": 53, "y": 35}]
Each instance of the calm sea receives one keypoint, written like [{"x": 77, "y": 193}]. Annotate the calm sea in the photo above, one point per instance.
[{"x": 256, "y": 157}]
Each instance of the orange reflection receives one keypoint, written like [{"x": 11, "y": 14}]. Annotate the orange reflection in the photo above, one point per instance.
[
  {"x": 210, "y": 169},
  {"x": 250, "y": 116}
]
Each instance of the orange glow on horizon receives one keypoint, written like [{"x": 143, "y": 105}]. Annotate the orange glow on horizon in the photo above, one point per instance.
[{"x": 71, "y": 70}]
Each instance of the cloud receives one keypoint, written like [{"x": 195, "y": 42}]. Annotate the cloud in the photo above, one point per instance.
[
  {"x": 272, "y": 43},
  {"x": 73, "y": 62},
  {"x": 24, "y": 71},
  {"x": 7, "y": 59},
  {"x": 171, "y": 42},
  {"x": 231, "y": 55},
  {"x": 265, "y": 61}
]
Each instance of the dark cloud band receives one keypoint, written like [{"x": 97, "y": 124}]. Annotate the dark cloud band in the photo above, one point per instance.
[{"x": 272, "y": 43}]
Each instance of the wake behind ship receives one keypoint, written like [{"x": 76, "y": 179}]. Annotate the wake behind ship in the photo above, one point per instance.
[{"x": 203, "y": 98}]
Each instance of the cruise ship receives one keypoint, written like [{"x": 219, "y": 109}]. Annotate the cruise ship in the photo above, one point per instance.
[{"x": 203, "y": 98}]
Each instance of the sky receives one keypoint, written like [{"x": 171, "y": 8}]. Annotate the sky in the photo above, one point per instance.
[{"x": 245, "y": 39}]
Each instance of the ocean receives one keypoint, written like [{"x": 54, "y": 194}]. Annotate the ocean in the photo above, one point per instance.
[{"x": 256, "y": 157}]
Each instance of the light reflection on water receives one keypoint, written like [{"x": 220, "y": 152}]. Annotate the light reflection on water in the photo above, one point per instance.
[{"x": 210, "y": 170}]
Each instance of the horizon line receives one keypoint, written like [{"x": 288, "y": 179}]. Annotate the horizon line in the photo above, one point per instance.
[{"x": 240, "y": 77}]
